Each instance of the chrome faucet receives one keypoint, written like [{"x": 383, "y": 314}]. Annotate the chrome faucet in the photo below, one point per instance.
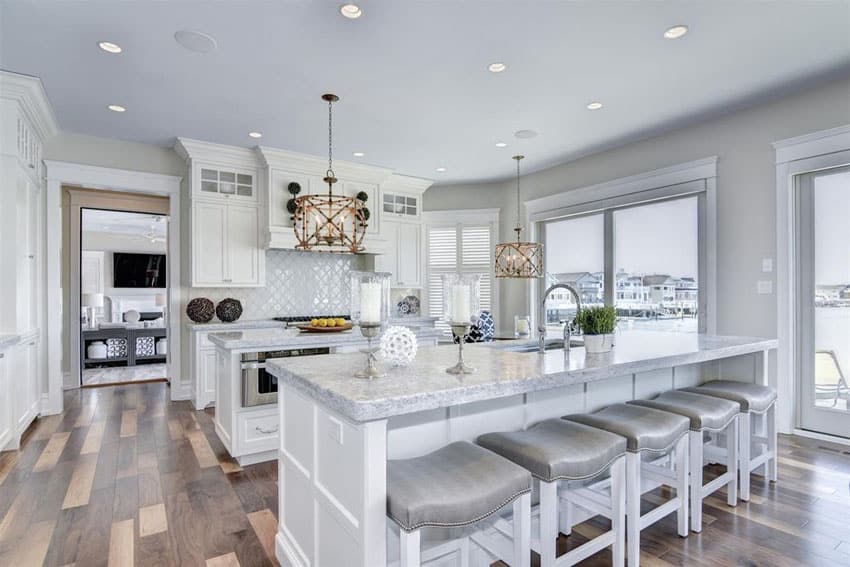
[{"x": 568, "y": 326}]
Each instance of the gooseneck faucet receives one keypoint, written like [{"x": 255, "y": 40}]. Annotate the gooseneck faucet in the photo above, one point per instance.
[{"x": 568, "y": 326}]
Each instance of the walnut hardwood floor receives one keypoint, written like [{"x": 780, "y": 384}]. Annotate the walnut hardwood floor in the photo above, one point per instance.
[{"x": 125, "y": 477}]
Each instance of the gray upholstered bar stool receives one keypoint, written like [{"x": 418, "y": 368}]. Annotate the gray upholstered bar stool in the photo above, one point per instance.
[
  {"x": 757, "y": 402},
  {"x": 707, "y": 414},
  {"x": 453, "y": 487},
  {"x": 556, "y": 450},
  {"x": 649, "y": 433}
]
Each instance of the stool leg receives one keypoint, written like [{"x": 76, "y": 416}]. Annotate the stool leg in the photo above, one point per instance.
[
  {"x": 772, "y": 442},
  {"x": 633, "y": 508},
  {"x": 565, "y": 519},
  {"x": 464, "y": 552},
  {"x": 695, "y": 451},
  {"x": 522, "y": 531},
  {"x": 732, "y": 461},
  {"x": 744, "y": 445},
  {"x": 618, "y": 512},
  {"x": 548, "y": 522},
  {"x": 682, "y": 455},
  {"x": 409, "y": 548}
]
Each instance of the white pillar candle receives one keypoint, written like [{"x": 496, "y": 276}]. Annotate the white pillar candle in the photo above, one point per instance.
[
  {"x": 460, "y": 304},
  {"x": 370, "y": 302}
]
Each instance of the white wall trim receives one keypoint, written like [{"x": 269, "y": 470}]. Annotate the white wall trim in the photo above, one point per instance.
[
  {"x": 103, "y": 178},
  {"x": 538, "y": 209},
  {"x": 462, "y": 216},
  {"x": 795, "y": 156}
]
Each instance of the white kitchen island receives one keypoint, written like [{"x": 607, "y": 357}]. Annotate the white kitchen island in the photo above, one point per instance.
[{"x": 337, "y": 432}]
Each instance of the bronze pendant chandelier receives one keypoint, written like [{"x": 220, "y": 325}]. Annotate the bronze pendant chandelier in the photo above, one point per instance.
[
  {"x": 330, "y": 223},
  {"x": 519, "y": 259}
]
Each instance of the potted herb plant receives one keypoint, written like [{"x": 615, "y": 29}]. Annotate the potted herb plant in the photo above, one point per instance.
[{"x": 597, "y": 325}]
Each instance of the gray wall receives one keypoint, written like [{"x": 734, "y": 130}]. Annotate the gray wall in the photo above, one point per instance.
[
  {"x": 106, "y": 152},
  {"x": 745, "y": 193}
]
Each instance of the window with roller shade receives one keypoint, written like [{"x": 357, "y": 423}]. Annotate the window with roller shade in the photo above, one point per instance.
[{"x": 453, "y": 248}]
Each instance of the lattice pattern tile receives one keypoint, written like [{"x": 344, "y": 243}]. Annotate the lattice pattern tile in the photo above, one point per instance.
[{"x": 297, "y": 283}]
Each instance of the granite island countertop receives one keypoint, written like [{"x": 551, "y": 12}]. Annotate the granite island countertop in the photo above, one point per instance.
[
  {"x": 501, "y": 372},
  {"x": 277, "y": 339}
]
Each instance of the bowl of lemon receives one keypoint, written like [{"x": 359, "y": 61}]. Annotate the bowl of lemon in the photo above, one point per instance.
[{"x": 326, "y": 325}]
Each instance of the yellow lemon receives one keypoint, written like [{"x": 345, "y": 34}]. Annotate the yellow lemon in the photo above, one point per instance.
[
  {"x": 314, "y": 322},
  {"x": 323, "y": 322},
  {"x": 331, "y": 322},
  {"x": 341, "y": 322}
]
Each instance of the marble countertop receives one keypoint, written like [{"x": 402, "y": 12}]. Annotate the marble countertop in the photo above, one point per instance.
[
  {"x": 501, "y": 372},
  {"x": 236, "y": 325},
  {"x": 8, "y": 340},
  {"x": 263, "y": 339}
]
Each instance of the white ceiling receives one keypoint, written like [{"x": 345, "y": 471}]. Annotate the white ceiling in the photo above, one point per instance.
[
  {"x": 141, "y": 225},
  {"x": 412, "y": 76}
]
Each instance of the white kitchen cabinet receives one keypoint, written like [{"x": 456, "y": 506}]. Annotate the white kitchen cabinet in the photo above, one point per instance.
[
  {"x": 202, "y": 369},
  {"x": 402, "y": 258},
  {"x": 6, "y": 430},
  {"x": 225, "y": 223},
  {"x": 24, "y": 386}
]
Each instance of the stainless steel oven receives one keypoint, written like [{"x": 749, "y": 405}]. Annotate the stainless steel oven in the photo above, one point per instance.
[{"x": 260, "y": 387}]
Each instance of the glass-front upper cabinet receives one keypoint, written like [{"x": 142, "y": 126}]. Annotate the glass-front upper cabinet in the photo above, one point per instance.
[
  {"x": 401, "y": 205},
  {"x": 222, "y": 182}
]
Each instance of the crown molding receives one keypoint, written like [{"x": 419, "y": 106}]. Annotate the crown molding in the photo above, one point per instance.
[
  {"x": 406, "y": 184},
  {"x": 275, "y": 158},
  {"x": 32, "y": 99},
  {"x": 190, "y": 149}
]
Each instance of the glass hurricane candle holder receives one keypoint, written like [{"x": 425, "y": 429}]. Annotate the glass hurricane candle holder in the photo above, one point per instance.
[
  {"x": 522, "y": 326},
  {"x": 461, "y": 296},
  {"x": 370, "y": 309}
]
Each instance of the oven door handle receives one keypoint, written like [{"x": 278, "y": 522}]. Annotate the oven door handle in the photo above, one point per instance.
[{"x": 252, "y": 365}]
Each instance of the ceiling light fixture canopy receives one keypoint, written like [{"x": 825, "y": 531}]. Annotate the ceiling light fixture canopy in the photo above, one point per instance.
[
  {"x": 351, "y": 11},
  {"x": 330, "y": 223},
  {"x": 110, "y": 47},
  {"x": 519, "y": 259},
  {"x": 676, "y": 32}
]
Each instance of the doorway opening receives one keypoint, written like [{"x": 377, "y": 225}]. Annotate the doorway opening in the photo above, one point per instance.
[{"x": 123, "y": 294}]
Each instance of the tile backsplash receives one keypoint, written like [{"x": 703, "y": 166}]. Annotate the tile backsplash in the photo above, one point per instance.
[{"x": 297, "y": 283}]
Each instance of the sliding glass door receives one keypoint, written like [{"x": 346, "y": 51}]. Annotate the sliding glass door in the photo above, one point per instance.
[{"x": 823, "y": 303}]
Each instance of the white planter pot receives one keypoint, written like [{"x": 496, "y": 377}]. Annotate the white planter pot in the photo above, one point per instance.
[{"x": 598, "y": 344}]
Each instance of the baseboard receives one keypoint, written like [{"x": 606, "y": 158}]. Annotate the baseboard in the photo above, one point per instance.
[
  {"x": 822, "y": 437},
  {"x": 44, "y": 406}
]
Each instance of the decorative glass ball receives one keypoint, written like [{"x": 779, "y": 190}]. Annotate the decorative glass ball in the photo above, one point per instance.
[{"x": 398, "y": 346}]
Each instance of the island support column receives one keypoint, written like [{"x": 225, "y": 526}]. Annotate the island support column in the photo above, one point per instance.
[{"x": 332, "y": 483}]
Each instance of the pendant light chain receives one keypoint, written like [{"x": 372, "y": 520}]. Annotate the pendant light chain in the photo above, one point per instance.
[
  {"x": 518, "y": 223},
  {"x": 330, "y": 172}
]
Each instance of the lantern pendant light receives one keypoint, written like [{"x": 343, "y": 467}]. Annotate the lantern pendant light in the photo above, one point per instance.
[
  {"x": 330, "y": 223},
  {"x": 519, "y": 259}
]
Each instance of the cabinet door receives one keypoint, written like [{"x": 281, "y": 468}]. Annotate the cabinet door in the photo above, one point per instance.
[
  {"x": 20, "y": 380},
  {"x": 389, "y": 262},
  {"x": 243, "y": 246},
  {"x": 5, "y": 403},
  {"x": 206, "y": 374},
  {"x": 408, "y": 255},
  {"x": 209, "y": 233}
]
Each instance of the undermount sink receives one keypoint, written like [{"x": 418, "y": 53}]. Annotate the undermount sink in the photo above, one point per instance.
[{"x": 533, "y": 347}]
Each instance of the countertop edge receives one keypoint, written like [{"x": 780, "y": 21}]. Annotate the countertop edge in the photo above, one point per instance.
[{"x": 372, "y": 410}]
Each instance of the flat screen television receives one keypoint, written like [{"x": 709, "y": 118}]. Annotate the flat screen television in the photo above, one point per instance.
[{"x": 138, "y": 270}]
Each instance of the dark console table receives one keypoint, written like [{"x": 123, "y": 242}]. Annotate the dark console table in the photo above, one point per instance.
[{"x": 130, "y": 335}]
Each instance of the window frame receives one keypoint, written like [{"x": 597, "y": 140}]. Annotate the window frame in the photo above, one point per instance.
[{"x": 698, "y": 178}]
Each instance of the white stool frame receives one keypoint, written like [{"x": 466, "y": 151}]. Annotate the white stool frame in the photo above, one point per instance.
[
  {"x": 411, "y": 554},
  {"x": 698, "y": 490},
  {"x": 677, "y": 479},
  {"x": 555, "y": 515}
]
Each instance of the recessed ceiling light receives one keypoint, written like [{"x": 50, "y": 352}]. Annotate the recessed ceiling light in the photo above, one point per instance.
[
  {"x": 110, "y": 47},
  {"x": 351, "y": 11},
  {"x": 116, "y": 108},
  {"x": 496, "y": 67},
  {"x": 196, "y": 41},
  {"x": 594, "y": 106},
  {"x": 255, "y": 134},
  {"x": 441, "y": 169},
  {"x": 676, "y": 32},
  {"x": 358, "y": 154},
  {"x": 501, "y": 145},
  {"x": 525, "y": 134}
]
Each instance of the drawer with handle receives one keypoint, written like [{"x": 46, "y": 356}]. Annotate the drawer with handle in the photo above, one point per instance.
[{"x": 257, "y": 431}]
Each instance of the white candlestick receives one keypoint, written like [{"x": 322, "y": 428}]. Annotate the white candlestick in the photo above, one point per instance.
[
  {"x": 460, "y": 302},
  {"x": 370, "y": 302},
  {"x": 522, "y": 325}
]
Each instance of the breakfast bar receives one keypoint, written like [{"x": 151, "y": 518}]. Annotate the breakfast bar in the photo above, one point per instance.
[{"x": 337, "y": 432}]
